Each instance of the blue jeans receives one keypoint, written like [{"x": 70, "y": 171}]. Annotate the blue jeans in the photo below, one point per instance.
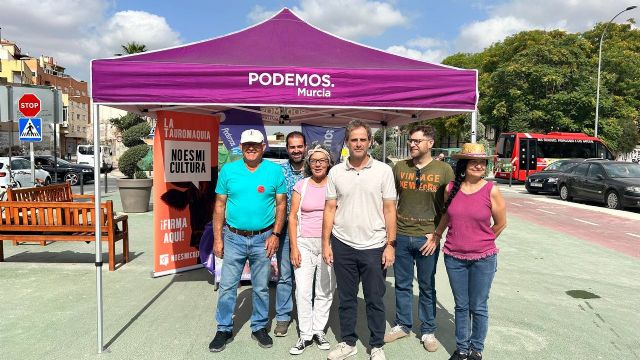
[
  {"x": 470, "y": 282},
  {"x": 237, "y": 250},
  {"x": 408, "y": 253},
  {"x": 284, "y": 288}
]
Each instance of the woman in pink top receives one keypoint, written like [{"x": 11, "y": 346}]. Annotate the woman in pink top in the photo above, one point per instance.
[
  {"x": 470, "y": 249},
  {"x": 305, "y": 232}
]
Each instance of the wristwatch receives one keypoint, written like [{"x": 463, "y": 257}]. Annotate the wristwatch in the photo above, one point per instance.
[
  {"x": 275, "y": 233},
  {"x": 393, "y": 243}
]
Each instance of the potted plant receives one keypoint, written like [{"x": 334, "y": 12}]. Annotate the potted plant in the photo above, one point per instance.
[{"x": 135, "y": 187}]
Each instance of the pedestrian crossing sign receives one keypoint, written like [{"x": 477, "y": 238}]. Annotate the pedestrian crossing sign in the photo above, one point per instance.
[{"x": 30, "y": 129}]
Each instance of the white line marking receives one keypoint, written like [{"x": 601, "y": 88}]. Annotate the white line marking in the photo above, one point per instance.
[
  {"x": 638, "y": 236},
  {"x": 528, "y": 202},
  {"x": 586, "y": 222},
  {"x": 545, "y": 211},
  {"x": 516, "y": 204}
]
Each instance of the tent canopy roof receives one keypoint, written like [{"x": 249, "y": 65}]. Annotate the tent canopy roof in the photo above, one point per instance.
[
  {"x": 283, "y": 41},
  {"x": 282, "y": 63}
]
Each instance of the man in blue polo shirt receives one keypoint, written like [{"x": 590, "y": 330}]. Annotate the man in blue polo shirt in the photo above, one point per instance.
[{"x": 248, "y": 219}]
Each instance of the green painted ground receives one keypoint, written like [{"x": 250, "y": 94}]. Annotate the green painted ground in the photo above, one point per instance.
[{"x": 48, "y": 310}]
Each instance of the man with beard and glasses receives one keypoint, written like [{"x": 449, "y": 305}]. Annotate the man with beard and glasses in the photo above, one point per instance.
[
  {"x": 292, "y": 170},
  {"x": 420, "y": 183},
  {"x": 248, "y": 219}
]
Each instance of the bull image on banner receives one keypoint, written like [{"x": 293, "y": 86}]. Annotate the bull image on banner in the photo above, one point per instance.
[{"x": 185, "y": 173}]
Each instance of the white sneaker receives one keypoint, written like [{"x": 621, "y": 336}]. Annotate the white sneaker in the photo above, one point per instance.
[
  {"x": 395, "y": 333},
  {"x": 377, "y": 354},
  {"x": 342, "y": 351},
  {"x": 430, "y": 342}
]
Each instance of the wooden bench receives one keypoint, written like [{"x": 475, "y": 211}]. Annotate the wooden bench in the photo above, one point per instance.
[
  {"x": 54, "y": 192},
  {"x": 62, "y": 221}
]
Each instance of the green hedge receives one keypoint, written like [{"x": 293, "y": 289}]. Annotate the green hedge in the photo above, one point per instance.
[
  {"x": 134, "y": 135},
  {"x": 129, "y": 159}
]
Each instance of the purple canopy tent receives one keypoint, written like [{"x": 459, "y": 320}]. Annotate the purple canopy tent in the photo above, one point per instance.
[{"x": 292, "y": 71}]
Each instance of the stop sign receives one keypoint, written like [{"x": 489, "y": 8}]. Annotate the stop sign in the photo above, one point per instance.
[{"x": 29, "y": 105}]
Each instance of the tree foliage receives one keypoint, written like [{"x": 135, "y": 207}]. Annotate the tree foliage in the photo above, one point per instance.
[
  {"x": 133, "y": 129},
  {"x": 133, "y": 48},
  {"x": 542, "y": 81}
]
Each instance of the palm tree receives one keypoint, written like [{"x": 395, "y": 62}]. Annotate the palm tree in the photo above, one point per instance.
[{"x": 133, "y": 48}]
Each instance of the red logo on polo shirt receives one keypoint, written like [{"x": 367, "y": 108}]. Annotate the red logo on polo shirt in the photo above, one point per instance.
[{"x": 260, "y": 189}]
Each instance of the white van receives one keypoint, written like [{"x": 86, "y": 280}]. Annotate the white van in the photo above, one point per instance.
[{"x": 85, "y": 156}]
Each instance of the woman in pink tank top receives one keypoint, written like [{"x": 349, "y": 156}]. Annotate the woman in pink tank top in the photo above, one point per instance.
[{"x": 470, "y": 249}]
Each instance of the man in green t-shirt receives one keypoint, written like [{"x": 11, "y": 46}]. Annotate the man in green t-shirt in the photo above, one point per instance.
[{"x": 420, "y": 183}]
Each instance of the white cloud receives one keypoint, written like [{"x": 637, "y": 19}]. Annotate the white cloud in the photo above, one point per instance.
[
  {"x": 428, "y": 55},
  {"x": 513, "y": 16},
  {"x": 349, "y": 19},
  {"x": 74, "y": 31},
  {"x": 481, "y": 34},
  {"x": 139, "y": 26},
  {"x": 424, "y": 49}
]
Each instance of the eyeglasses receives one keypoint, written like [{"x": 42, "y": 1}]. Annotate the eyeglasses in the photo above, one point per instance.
[
  {"x": 318, "y": 161},
  {"x": 416, "y": 141},
  {"x": 417, "y": 178}
]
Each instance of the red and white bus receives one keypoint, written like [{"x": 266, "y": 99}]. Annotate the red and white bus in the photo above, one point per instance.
[{"x": 529, "y": 153}]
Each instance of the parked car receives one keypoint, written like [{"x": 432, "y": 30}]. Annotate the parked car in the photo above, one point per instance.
[
  {"x": 84, "y": 154},
  {"x": 20, "y": 172},
  {"x": 614, "y": 183},
  {"x": 276, "y": 153},
  {"x": 547, "y": 180},
  {"x": 66, "y": 171}
]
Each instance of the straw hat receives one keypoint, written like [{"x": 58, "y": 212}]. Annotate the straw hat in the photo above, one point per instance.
[{"x": 472, "y": 151}]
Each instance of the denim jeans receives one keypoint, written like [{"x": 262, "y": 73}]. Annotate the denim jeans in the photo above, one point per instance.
[
  {"x": 470, "y": 282},
  {"x": 237, "y": 250},
  {"x": 352, "y": 266},
  {"x": 408, "y": 253},
  {"x": 284, "y": 288}
]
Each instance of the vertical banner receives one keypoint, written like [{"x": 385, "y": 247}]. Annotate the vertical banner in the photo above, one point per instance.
[
  {"x": 332, "y": 137},
  {"x": 185, "y": 161},
  {"x": 234, "y": 122}
]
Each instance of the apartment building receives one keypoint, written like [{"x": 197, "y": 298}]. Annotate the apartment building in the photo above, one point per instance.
[{"x": 19, "y": 68}]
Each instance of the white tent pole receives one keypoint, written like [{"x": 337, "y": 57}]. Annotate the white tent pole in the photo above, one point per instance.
[
  {"x": 96, "y": 219},
  {"x": 384, "y": 142},
  {"x": 474, "y": 125}
]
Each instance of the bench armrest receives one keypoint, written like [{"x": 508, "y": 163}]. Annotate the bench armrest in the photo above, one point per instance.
[{"x": 120, "y": 218}]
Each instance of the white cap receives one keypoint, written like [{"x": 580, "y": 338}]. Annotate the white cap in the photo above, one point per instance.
[{"x": 251, "y": 136}]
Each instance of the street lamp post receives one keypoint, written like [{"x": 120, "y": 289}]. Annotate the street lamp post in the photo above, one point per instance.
[{"x": 600, "y": 64}]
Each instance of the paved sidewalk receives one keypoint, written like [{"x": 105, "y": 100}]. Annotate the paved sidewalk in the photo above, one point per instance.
[{"x": 554, "y": 297}]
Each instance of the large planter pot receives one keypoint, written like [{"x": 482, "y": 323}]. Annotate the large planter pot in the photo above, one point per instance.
[{"x": 135, "y": 194}]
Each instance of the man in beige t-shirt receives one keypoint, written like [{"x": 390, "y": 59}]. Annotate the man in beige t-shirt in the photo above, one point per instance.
[{"x": 358, "y": 238}]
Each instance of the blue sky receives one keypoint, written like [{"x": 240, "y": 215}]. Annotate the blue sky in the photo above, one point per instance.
[{"x": 75, "y": 31}]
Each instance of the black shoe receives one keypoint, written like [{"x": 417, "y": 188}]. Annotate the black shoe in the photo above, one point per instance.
[
  {"x": 475, "y": 355},
  {"x": 321, "y": 340},
  {"x": 299, "y": 347},
  {"x": 263, "y": 338},
  {"x": 221, "y": 339},
  {"x": 457, "y": 355}
]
